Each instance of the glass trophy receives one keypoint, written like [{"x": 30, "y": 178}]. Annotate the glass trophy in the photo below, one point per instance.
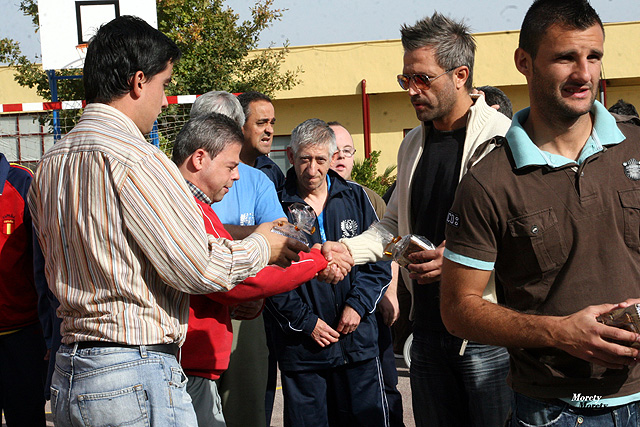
[
  {"x": 303, "y": 220},
  {"x": 399, "y": 248}
]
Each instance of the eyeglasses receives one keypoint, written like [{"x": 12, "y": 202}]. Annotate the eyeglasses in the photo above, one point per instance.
[
  {"x": 346, "y": 152},
  {"x": 422, "y": 81}
]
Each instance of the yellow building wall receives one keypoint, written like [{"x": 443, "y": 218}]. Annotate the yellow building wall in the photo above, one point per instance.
[
  {"x": 630, "y": 93},
  {"x": 11, "y": 92}
]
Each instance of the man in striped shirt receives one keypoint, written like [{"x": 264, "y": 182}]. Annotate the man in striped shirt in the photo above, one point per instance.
[{"x": 125, "y": 244}]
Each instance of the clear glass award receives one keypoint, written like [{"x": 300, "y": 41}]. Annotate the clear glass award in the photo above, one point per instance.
[
  {"x": 303, "y": 220},
  {"x": 399, "y": 248}
]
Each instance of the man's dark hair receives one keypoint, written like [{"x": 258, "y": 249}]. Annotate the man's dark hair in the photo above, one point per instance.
[
  {"x": 570, "y": 14},
  {"x": 623, "y": 108},
  {"x": 247, "y": 98},
  {"x": 452, "y": 41},
  {"x": 494, "y": 96},
  {"x": 212, "y": 132},
  {"x": 121, "y": 48}
]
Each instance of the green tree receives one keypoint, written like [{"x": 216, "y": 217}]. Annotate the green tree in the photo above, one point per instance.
[
  {"x": 216, "y": 47},
  {"x": 365, "y": 173},
  {"x": 216, "y": 51}
]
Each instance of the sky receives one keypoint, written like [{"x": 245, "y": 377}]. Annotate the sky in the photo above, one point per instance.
[{"x": 307, "y": 22}]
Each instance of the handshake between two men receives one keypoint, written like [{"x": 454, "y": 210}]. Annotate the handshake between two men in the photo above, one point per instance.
[{"x": 285, "y": 250}]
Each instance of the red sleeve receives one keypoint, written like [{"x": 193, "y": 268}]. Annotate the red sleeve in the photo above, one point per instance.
[{"x": 273, "y": 280}]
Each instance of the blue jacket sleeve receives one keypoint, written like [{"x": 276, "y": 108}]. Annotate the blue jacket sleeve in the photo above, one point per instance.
[
  {"x": 370, "y": 284},
  {"x": 292, "y": 313}
]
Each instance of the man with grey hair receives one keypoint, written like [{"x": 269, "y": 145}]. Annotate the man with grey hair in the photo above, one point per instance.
[
  {"x": 453, "y": 382},
  {"x": 326, "y": 342},
  {"x": 218, "y": 101}
]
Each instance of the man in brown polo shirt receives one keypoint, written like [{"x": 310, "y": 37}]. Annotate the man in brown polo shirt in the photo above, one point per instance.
[{"x": 555, "y": 210}]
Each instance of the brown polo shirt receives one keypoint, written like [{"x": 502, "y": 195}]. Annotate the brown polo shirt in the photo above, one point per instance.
[{"x": 560, "y": 238}]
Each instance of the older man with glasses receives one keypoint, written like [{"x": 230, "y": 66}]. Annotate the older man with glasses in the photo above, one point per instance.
[
  {"x": 453, "y": 382},
  {"x": 388, "y": 308}
]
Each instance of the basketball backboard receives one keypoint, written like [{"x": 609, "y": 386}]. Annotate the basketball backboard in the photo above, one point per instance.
[{"x": 67, "y": 25}]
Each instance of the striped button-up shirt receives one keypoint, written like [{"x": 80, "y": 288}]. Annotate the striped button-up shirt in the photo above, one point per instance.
[{"x": 123, "y": 238}]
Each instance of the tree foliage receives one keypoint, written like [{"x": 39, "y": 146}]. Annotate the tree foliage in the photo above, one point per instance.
[
  {"x": 365, "y": 173},
  {"x": 216, "y": 51},
  {"x": 216, "y": 47}
]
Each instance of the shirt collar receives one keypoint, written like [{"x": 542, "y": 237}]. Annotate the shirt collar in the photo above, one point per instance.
[
  {"x": 198, "y": 193},
  {"x": 526, "y": 153},
  {"x": 116, "y": 118}
]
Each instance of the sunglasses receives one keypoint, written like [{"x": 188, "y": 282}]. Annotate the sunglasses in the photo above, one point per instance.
[{"x": 422, "y": 81}]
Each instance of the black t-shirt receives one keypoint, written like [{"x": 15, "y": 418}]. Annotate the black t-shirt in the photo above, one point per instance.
[{"x": 433, "y": 189}]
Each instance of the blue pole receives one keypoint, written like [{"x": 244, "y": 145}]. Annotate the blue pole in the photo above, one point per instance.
[
  {"x": 153, "y": 135},
  {"x": 53, "y": 85}
]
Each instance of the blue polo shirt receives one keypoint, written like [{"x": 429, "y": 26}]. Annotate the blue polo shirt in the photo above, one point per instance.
[{"x": 251, "y": 200}]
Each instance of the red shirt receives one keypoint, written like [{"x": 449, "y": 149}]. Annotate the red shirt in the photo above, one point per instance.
[{"x": 207, "y": 347}]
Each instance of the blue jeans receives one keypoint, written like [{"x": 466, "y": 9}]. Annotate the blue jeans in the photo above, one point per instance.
[
  {"x": 452, "y": 390},
  {"x": 533, "y": 412},
  {"x": 115, "y": 386}
]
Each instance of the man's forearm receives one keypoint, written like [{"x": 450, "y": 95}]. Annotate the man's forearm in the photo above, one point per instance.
[
  {"x": 476, "y": 319},
  {"x": 367, "y": 247},
  {"x": 239, "y": 232},
  {"x": 467, "y": 315}
]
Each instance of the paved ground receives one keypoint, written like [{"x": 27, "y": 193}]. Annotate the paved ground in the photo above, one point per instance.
[{"x": 403, "y": 386}]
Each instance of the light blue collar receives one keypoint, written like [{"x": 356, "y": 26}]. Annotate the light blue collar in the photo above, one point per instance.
[{"x": 526, "y": 153}]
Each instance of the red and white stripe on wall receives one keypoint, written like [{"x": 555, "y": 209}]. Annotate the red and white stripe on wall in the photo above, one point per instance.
[{"x": 75, "y": 105}]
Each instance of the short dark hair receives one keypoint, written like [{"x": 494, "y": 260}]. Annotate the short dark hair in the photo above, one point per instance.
[
  {"x": 247, "y": 98},
  {"x": 119, "y": 49},
  {"x": 623, "y": 108},
  {"x": 452, "y": 41},
  {"x": 494, "y": 96},
  {"x": 212, "y": 132},
  {"x": 571, "y": 14}
]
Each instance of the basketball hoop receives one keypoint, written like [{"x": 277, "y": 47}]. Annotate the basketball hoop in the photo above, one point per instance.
[
  {"x": 82, "y": 50},
  {"x": 67, "y": 26}
]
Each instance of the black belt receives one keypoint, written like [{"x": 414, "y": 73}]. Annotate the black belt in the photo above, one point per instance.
[{"x": 162, "y": 348}]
